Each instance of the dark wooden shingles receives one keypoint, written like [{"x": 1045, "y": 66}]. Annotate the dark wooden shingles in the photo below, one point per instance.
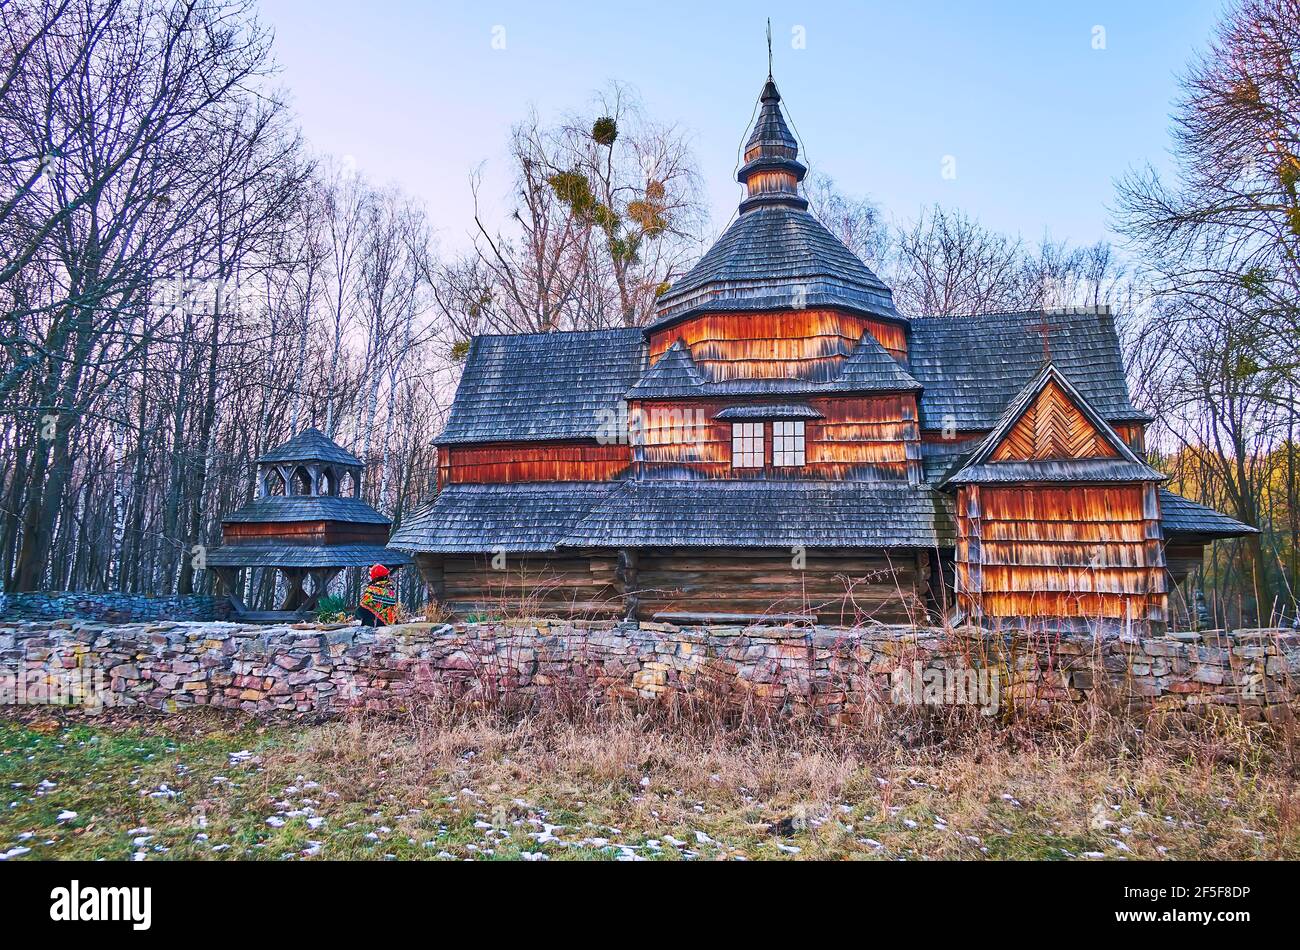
[
  {"x": 304, "y": 555},
  {"x": 518, "y": 517},
  {"x": 973, "y": 366},
  {"x": 763, "y": 514},
  {"x": 775, "y": 257},
  {"x": 311, "y": 445},
  {"x": 543, "y": 386},
  {"x": 277, "y": 508},
  {"x": 1179, "y": 515}
]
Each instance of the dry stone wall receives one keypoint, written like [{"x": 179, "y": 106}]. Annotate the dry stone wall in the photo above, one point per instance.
[{"x": 836, "y": 673}]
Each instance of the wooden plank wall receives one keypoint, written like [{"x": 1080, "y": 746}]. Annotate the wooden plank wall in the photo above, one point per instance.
[
  {"x": 1133, "y": 434},
  {"x": 839, "y": 586},
  {"x": 868, "y": 438},
  {"x": 797, "y": 344},
  {"x": 532, "y": 462},
  {"x": 1083, "y": 551},
  {"x": 578, "y": 584}
]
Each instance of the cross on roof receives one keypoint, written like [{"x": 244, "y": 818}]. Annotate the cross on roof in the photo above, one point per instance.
[{"x": 1045, "y": 328}]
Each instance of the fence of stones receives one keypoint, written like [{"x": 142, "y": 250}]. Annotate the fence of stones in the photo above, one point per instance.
[{"x": 837, "y": 674}]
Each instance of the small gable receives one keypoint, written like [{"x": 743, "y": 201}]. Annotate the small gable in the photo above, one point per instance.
[{"x": 1053, "y": 427}]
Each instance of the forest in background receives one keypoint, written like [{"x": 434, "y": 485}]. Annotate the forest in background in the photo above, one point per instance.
[{"x": 185, "y": 283}]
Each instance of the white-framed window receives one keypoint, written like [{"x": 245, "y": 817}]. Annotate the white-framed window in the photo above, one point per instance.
[
  {"x": 747, "y": 445},
  {"x": 787, "y": 444}
]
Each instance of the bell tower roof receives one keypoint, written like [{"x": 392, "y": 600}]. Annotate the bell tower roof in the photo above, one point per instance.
[{"x": 310, "y": 445}]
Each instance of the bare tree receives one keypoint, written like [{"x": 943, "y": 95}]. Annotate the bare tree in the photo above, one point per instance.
[
  {"x": 347, "y": 204},
  {"x": 606, "y": 212},
  {"x": 857, "y": 222},
  {"x": 1220, "y": 242},
  {"x": 138, "y": 94},
  {"x": 946, "y": 263}
]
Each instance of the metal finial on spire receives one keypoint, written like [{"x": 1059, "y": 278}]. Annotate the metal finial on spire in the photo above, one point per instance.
[{"x": 769, "y": 47}]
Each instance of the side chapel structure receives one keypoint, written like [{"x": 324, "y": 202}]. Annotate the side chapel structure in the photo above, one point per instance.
[
  {"x": 781, "y": 442},
  {"x": 308, "y": 522}
]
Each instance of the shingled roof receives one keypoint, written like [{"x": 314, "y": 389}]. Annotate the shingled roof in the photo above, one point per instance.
[
  {"x": 765, "y": 514},
  {"x": 673, "y": 374},
  {"x": 981, "y": 468},
  {"x": 790, "y": 410},
  {"x": 279, "y": 508},
  {"x": 868, "y": 368},
  {"x": 1179, "y": 515},
  {"x": 519, "y": 517},
  {"x": 972, "y": 367},
  {"x": 541, "y": 386},
  {"x": 776, "y": 257},
  {"x": 310, "y": 445}
]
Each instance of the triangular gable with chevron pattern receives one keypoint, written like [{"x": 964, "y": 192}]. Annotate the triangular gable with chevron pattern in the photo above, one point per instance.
[
  {"x": 1052, "y": 427},
  {"x": 1049, "y": 419}
]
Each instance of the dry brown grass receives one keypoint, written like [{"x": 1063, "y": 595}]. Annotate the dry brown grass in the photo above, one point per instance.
[
  {"x": 577, "y": 780},
  {"x": 936, "y": 786}
]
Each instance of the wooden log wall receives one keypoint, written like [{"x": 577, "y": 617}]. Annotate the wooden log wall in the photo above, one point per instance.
[
  {"x": 304, "y": 532},
  {"x": 867, "y": 438},
  {"x": 1084, "y": 551},
  {"x": 796, "y": 344},
  {"x": 578, "y": 584},
  {"x": 532, "y": 462},
  {"x": 839, "y": 587}
]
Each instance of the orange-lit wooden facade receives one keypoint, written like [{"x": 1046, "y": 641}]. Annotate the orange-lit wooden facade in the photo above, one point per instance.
[
  {"x": 1075, "y": 551},
  {"x": 1087, "y": 552},
  {"x": 874, "y": 437},
  {"x": 533, "y": 462},
  {"x": 795, "y": 344},
  {"x": 305, "y": 532},
  {"x": 1052, "y": 427}
]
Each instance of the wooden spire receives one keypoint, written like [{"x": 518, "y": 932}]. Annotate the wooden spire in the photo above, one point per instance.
[{"x": 771, "y": 172}]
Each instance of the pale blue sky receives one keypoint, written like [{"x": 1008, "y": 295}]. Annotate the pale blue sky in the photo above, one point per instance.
[{"x": 1040, "y": 123}]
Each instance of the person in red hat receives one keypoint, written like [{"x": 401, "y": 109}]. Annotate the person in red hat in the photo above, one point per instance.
[{"x": 379, "y": 600}]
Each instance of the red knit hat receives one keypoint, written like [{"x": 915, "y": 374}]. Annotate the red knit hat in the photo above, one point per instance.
[{"x": 378, "y": 571}]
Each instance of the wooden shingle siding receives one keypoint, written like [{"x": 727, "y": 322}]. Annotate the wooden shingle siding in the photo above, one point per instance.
[
  {"x": 796, "y": 344},
  {"x": 305, "y": 532},
  {"x": 1091, "y": 552},
  {"x": 1134, "y": 435},
  {"x": 533, "y": 462},
  {"x": 873, "y": 438}
]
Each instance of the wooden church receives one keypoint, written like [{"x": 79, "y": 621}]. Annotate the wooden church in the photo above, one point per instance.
[{"x": 782, "y": 443}]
